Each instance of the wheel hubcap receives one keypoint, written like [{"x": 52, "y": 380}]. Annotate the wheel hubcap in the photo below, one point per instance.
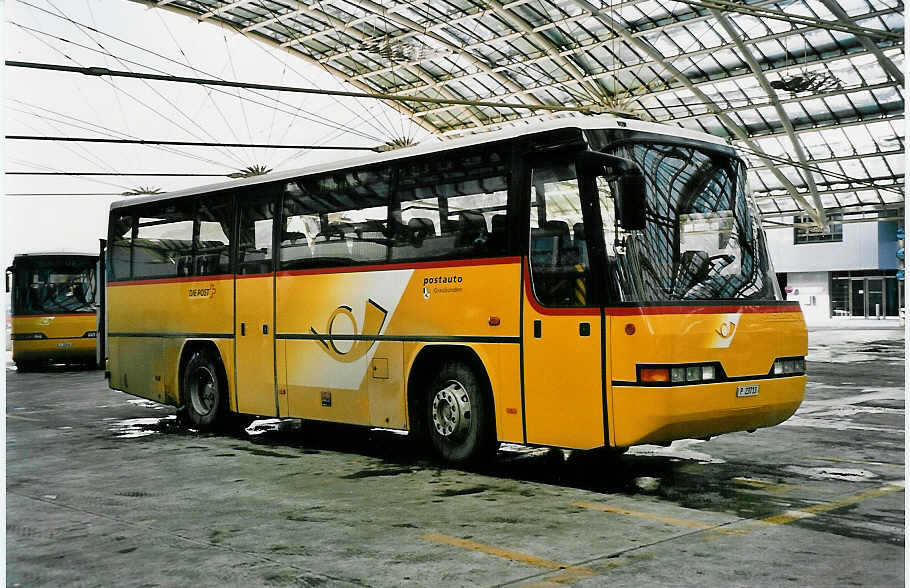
[
  {"x": 203, "y": 391},
  {"x": 451, "y": 410}
]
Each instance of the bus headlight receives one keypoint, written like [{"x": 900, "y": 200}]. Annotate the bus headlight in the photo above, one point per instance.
[
  {"x": 789, "y": 366},
  {"x": 692, "y": 373}
]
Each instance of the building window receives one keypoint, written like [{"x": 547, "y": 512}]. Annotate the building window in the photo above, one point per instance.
[{"x": 805, "y": 231}]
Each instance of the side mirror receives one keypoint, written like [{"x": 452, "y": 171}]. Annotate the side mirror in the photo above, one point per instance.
[
  {"x": 630, "y": 200},
  {"x": 628, "y": 185}
]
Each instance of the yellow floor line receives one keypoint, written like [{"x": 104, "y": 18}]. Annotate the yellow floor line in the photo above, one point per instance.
[
  {"x": 497, "y": 551},
  {"x": 643, "y": 515},
  {"x": 790, "y": 516},
  {"x": 568, "y": 574},
  {"x": 775, "y": 487}
]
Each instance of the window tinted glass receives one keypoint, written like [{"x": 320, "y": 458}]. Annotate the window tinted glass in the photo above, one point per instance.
[
  {"x": 120, "y": 239},
  {"x": 163, "y": 247},
  {"x": 213, "y": 244},
  {"x": 254, "y": 238},
  {"x": 453, "y": 205},
  {"x": 337, "y": 218},
  {"x": 54, "y": 285},
  {"x": 558, "y": 249}
]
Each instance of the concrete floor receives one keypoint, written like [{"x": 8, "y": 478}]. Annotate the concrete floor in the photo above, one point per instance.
[{"x": 104, "y": 489}]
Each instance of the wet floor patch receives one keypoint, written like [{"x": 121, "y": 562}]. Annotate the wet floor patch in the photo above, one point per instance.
[
  {"x": 377, "y": 473},
  {"x": 828, "y": 473},
  {"x": 142, "y": 427},
  {"x": 682, "y": 450}
]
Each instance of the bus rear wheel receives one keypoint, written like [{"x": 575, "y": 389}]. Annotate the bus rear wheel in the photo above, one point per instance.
[
  {"x": 203, "y": 391},
  {"x": 459, "y": 418}
]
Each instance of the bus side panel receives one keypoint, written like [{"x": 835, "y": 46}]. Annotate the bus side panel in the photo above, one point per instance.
[
  {"x": 153, "y": 320},
  {"x": 374, "y": 312},
  {"x": 64, "y": 342},
  {"x": 744, "y": 341},
  {"x": 142, "y": 377}
]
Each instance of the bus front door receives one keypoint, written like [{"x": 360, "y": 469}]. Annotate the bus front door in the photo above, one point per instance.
[
  {"x": 254, "y": 316},
  {"x": 562, "y": 332}
]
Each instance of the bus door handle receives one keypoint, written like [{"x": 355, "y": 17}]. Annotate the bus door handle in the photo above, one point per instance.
[
  {"x": 265, "y": 329},
  {"x": 242, "y": 329}
]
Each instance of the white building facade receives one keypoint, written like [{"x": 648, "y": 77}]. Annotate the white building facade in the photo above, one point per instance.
[{"x": 848, "y": 271}]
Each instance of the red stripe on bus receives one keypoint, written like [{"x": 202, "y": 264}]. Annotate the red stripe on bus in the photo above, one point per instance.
[
  {"x": 174, "y": 280},
  {"x": 707, "y": 309},
  {"x": 399, "y": 266},
  {"x": 681, "y": 309},
  {"x": 88, "y": 313}
]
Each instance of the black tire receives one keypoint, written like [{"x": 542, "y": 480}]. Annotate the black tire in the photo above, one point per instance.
[
  {"x": 26, "y": 366},
  {"x": 203, "y": 391},
  {"x": 459, "y": 418}
]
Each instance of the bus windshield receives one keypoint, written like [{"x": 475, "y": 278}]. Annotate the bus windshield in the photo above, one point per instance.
[
  {"x": 54, "y": 286},
  {"x": 702, "y": 239}
]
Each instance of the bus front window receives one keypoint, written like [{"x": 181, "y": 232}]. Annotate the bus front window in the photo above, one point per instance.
[
  {"x": 701, "y": 240},
  {"x": 45, "y": 289}
]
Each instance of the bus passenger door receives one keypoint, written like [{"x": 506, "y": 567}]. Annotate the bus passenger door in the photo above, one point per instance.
[
  {"x": 254, "y": 283},
  {"x": 562, "y": 332}
]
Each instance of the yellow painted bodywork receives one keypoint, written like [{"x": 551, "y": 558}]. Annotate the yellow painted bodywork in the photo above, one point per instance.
[
  {"x": 148, "y": 325},
  {"x": 640, "y": 414},
  {"x": 255, "y": 347},
  {"x": 65, "y": 342},
  {"x": 562, "y": 380},
  {"x": 381, "y": 320}
]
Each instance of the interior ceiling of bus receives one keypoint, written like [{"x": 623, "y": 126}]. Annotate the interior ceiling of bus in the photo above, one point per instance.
[{"x": 809, "y": 91}]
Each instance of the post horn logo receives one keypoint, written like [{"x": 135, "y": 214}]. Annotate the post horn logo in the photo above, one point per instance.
[
  {"x": 726, "y": 329},
  {"x": 373, "y": 318}
]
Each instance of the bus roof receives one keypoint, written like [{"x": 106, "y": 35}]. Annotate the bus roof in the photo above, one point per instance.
[{"x": 429, "y": 146}]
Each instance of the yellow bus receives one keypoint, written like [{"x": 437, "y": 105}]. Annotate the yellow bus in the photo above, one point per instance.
[
  {"x": 53, "y": 309},
  {"x": 585, "y": 283}
]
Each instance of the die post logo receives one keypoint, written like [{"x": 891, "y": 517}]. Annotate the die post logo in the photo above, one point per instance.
[
  {"x": 334, "y": 343},
  {"x": 196, "y": 292}
]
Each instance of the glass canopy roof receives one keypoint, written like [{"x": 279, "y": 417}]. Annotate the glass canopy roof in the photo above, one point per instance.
[{"x": 811, "y": 92}]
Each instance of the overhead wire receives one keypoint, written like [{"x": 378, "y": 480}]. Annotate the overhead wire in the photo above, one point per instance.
[
  {"x": 331, "y": 125},
  {"x": 104, "y": 131},
  {"x": 246, "y": 120},
  {"x": 324, "y": 121},
  {"x": 178, "y": 110},
  {"x": 293, "y": 34},
  {"x": 208, "y": 91}
]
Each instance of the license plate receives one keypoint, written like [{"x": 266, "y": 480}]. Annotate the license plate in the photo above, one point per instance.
[
  {"x": 64, "y": 345},
  {"x": 743, "y": 391}
]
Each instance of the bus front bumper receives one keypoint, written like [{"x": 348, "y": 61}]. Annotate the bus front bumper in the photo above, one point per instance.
[
  {"x": 659, "y": 414},
  {"x": 59, "y": 350}
]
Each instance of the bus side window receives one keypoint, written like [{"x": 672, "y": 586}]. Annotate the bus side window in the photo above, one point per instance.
[
  {"x": 164, "y": 241},
  {"x": 254, "y": 235},
  {"x": 454, "y": 207},
  {"x": 336, "y": 219},
  {"x": 213, "y": 243},
  {"x": 120, "y": 240},
  {"x": 558, "y": 249}
]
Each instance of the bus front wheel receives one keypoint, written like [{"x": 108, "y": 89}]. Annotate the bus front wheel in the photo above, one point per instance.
[
  {"x": 459, "y": 417},
  {"x": 203, "y": 391}
]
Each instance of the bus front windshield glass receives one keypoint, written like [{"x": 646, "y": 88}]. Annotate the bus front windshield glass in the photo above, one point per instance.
[
  {"x": 702, "y": 239},
  {"x": 54, "y": 286}
]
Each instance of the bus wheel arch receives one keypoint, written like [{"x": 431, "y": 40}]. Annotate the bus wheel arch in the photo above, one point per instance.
[
  {"x": 450, "y": 403},
  {"x": 202, "y": 382}
]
